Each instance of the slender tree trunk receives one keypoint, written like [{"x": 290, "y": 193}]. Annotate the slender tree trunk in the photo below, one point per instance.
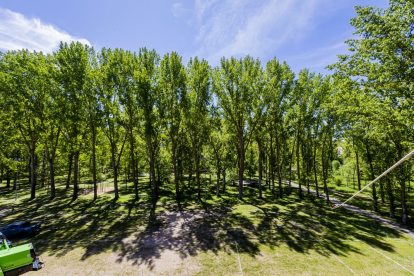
[
  {"x": 15, "y": 180},
  {"x": 137, "y": 171},
  {"x": 79, "y": 171},
  {"x": 265, "y": 164},
  {"x": 290, "y": 166},
  {"x": 358, "y": 171},
  {"x": 218, "y": 183},
  {"x": 69, "y": 171},
  {"x": 268, "y": 171},
  {"x": 51, "y": 160},
  {"x": 382, "y": 194},
  {"x": 272, "y": 164},
  {"x": 43, "y": 169},
  {"x": 152, "y": 167},
  {"x": 190, "y": 174},
  {"x": 8, "y": 172},
  {"x": 403, "y": 188},
  {"x": 391, "y": 197},
  {"x": 116, "y": 181},
  {"x": 95, "y": 186},
  {"x": 28, "y": 167},
  {"x": 374, "y": 190},
  {"x": 115, "y": 165},
  {"x": 298, "y": 165},
  {"x": 241, "y": 169},
  {"x": 403, "y": 197},
  {"x": 75, "y": 176},
  {"x": 158, "y": 173},
  {"x": 197, "y": 167},
  {"x": 52, "y": 180},
  {"x": 134, "y": 175},
  {"x": 314, "y": 170},
  {"x": 307, "y": 164},
  {"x": 279, "y": 176},
  {"x": 224, "y": 181},
  {"x": 32, "y": 173},
  {"x": 353, "y": 178},
  {"x": 259, "y": 143},
  {"x": 324, "y": 174},
  {"x": 153, "y": 179},
  {"x": 177, "y": 189}
]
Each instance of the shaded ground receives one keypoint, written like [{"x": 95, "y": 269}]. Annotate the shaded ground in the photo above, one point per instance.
[
  {"x": 223, "y": 236},
  {"x": 384, "y": 221}
]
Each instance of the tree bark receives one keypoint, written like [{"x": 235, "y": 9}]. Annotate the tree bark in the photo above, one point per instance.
[
  {"x": 50, "y": 160},
  {"x": 190, "y": 174},
  {"x": 152, "y": 167},
  {"x": 290, "y": 166},
  {"x": 69, "y": 171},
  {"x": 32, "y": 173},
  {"x": 391, "y": 197},
  {"x": 115, "y": 168},
  {"x": 241, "y": 169},
  {"x": 177, "y": 189},
  {"x": 75, "y": 176},
  {"x": 314, "y": 170},
  {"x": 324, "y": 175},
  {"x": 95, "y": 187},
  {"x": 134, "y": 175},
  {"x": 259, "y": 143},
  {"x": 218, "y": 183},
  {"x": 374, "y": 191},
  {"x": 298, "y": 165},
  {"x": 402, "y": 184},
  {"x": 272, "y": 164},
  {"x": 307, "y": 163},
  {"x": 279, "y": 176},
  {"x": 224, "y": 181},
  {"x": 197, "y": 165},
  {"x": 8, "y": 172},
  {"x": 358, "y": 171},
  {"x": 43, "y": 169}
]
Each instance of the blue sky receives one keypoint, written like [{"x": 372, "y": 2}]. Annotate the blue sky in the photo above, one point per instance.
[{"x": 305, "y": 33}]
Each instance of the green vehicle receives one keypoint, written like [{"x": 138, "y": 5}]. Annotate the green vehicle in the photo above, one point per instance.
[{"x": 17, "y": 260}]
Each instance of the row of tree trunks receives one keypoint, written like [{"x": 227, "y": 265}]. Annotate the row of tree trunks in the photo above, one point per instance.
[
  {"x": 371, "y": 167},
  {"x": 259, "y": 143}
]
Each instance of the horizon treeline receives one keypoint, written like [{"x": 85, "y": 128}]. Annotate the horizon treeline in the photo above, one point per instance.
[{"x": 140, "y": 112}]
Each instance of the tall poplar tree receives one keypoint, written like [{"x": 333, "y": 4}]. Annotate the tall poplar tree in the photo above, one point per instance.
[
  {"x": 238, "y": 85},
  {"x": 173, "y": 88},
  {"x": 25, "y": 82},
  {"x": 149, "y": 100},
  {"x": 199, "y": 97},
  {"x": 73, "y": 65}
]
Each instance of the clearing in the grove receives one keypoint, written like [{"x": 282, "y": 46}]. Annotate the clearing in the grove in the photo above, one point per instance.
[{"x": 222, "y": 236}]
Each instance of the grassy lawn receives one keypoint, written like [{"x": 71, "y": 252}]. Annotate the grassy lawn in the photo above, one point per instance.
[
  {"x": 364, "y": 200},
  {"x": 224, "y": 236}
]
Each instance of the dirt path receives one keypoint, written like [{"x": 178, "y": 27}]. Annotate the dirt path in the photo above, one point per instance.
[{"x": 391, "y": 224}]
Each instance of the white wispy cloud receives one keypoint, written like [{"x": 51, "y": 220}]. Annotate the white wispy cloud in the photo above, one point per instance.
[
  {"x": 241, "y": 27},
  {"x": 178, "y": 10},
  {"x": 318, "y": 58},
  {"x": 19, "y": 32}
]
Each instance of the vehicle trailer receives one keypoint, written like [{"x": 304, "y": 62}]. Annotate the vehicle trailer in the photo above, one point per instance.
[{"x": 17, "y": 260}]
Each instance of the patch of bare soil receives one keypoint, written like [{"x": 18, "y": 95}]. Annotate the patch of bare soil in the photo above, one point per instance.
[
  {"x": 170, "y": 239},
  {"x": 168, "y": 245}
]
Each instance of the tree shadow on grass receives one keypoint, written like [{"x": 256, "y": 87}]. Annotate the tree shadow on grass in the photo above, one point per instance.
[{"x": 148, "y": 231}]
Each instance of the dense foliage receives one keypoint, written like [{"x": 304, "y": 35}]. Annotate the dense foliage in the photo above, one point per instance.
[{"x": 79, "y": 111}]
